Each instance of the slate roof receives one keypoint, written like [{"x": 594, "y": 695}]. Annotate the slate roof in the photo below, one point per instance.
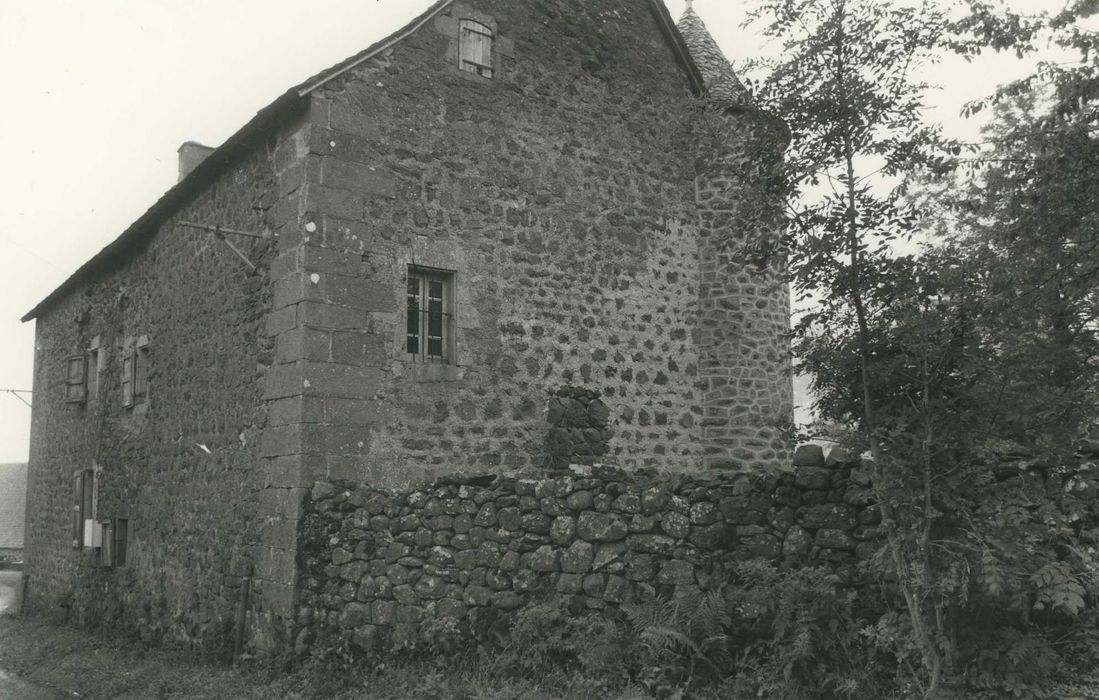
[
  {"x": 717, "y": 73},
  {"x": 295, "y": 99},
  {"x": 13, "y": 504}
]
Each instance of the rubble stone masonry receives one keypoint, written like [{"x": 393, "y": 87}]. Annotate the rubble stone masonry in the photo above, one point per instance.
[
  {"x": 379, "y": 566},
  {"x": 180, "y": 466},
  {"x": 585, "y": 207},
  {"x": 564, "y": 195}
]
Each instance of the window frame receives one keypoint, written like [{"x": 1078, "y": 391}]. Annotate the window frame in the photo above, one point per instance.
[
  {"x": 484, "y": 65},
  {"x": 420, "y": 318}
]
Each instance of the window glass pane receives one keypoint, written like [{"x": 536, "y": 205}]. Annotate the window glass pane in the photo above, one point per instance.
[
  {"x": 435, "y": 325},
  {"x": 435, "y": 318}
]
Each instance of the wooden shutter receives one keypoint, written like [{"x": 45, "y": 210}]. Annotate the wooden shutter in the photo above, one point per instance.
[
  {"x": 76, "y": 374},
  {"x": 121, "y": 532},
  {"x": 475, "y": 48},
  {"x": 128, "y": 378},
  {"x": 107, "y": 551},
  {"x": 141, "y": 374},
  {"x": 78, "y": 509},
  {"x": 92, "y": 382}
]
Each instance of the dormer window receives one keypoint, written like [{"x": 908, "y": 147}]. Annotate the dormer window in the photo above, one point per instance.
[{"x": 475, "y": 46}]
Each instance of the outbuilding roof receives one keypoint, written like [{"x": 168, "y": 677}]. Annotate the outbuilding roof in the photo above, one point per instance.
[
  {"x": 694, "y": 49},
  {"x": 718, "y": 77}
]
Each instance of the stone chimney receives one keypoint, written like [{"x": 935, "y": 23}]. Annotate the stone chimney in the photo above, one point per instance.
[{"x": 191, "y": 153}]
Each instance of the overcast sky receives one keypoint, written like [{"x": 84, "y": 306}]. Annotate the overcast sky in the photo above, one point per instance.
[{"x": 99, "y": 94}]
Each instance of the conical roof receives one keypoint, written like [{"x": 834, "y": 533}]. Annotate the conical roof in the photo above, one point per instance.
[{"x": 717, "y": 73}]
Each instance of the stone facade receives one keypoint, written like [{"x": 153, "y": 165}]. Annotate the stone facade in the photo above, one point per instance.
[
  {"x": 182, "y": 466},
  {"x": 377, "y": 564},
  {"x": 582, "y": 208}
]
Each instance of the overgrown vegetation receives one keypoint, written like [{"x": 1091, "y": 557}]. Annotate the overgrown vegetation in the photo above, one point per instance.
[
  {"x": 952, "y": 331},
  {"x": 950, "y": 322}
]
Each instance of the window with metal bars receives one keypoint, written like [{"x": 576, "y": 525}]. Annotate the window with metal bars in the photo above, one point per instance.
[
  {"x": 429, "y": 330},
  {"x": 475, "y": 43}
]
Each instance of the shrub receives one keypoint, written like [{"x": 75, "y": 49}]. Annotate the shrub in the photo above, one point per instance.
[
  {"x": 796, "y": 635},
  {"x": 547, "y": 639}
]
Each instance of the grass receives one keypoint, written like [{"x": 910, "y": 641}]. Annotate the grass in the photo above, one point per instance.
[{"x": 85, "y": 666}]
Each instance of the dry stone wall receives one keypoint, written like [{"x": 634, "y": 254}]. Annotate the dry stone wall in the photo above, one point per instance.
[{"x": 378, "y": 564}]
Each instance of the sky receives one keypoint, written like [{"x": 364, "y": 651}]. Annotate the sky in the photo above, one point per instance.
[{"x": 100, "y": 94}]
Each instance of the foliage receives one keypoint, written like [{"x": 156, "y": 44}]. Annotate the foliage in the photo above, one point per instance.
[
  {"x": 798, "y": 635},
  {"x": 548, "y": 638},
  {"x": 943, "y": 344},
  {"x": 685, "y": 638}
]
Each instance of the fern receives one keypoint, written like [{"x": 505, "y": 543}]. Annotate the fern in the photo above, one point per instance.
[{"x": 684, "y": 633}]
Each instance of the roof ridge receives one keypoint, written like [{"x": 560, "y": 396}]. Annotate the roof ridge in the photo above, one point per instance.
[{"x": 177, "y": 195}]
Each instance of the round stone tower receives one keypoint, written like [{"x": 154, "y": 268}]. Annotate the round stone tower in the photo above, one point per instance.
[{"x": 744, "y": 312}]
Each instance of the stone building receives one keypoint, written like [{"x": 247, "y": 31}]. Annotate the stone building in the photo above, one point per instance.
[{"x": 382, "y": 278}]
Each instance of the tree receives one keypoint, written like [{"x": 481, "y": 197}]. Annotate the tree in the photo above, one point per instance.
[
  {"x": 845, "y": 87},
  {"x": 936, "y": 349}
]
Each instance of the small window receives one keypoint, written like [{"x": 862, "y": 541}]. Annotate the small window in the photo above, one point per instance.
[
  {"x": 115, "y": 535},
  {"x": 429, "y": 331},
  {"x": 76, "y": 378},
  {"x": 475, "y": 48},
  {"x": 82, "y": 506}
]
